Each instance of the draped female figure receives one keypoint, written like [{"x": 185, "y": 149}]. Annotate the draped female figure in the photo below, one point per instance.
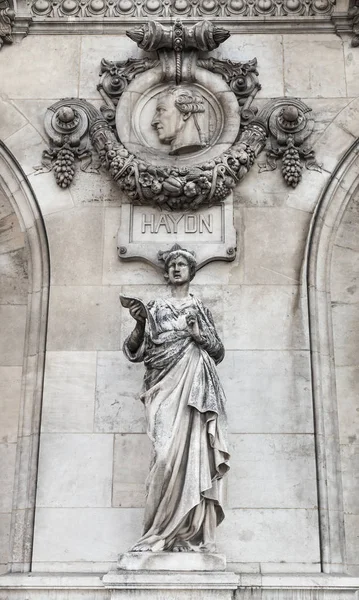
[{"x": 185, "y": 411}]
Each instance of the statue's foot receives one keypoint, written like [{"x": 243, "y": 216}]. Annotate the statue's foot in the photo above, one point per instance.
[
  {"x": 183, "y": 547},
  {"x": 208, "y": 547},
  {"x": 142, "y": 548}
]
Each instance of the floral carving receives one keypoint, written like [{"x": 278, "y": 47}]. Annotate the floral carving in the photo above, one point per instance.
[
  {"x": 354, "y": 14},
  {"x": 241, "y": 77},
  {"x": 75, "y": 127},
  {"x": 7, "y": 17},
  {"x": 66, "y": 123},
  {"x": 289, "y": 127},
  {"x": 180, "y": 188},
  {"x": 115, "y": 77}
]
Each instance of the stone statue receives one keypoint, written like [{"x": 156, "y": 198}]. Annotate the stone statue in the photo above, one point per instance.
[
  {"x": 176, "y": 121},
  {"x": 185, "y": 409}
]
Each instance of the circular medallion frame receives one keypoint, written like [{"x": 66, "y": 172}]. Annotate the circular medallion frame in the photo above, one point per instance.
[{"x": 219, "y": 122}]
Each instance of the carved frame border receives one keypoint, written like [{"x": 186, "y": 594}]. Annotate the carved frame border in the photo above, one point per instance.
[
  {"x": 16, "y": 187},
  {"x": 326, "y": 220}
]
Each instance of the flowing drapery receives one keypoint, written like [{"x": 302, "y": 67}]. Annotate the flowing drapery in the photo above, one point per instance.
[{"x": 185, "y": 410}]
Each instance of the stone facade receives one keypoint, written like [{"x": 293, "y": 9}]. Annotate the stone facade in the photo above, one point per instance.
[{"x": 73, "y": 451}]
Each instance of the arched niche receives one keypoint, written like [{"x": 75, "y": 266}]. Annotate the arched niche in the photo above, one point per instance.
[
  {"x": 339, "y": 192},
  {"x": 344, "y": 291},
  {"x": 25, "y": 320}
]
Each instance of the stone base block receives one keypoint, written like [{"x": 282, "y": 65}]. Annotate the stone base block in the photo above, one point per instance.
[
  {"x": 171, "y": 585},
  {"x": 127, "y": 585},
  {"x": 171, "y": 561}
]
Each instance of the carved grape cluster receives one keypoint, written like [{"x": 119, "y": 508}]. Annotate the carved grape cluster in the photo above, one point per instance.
[
  {"x": 177, "y": 188},
  {"x": 64, "y": 167},
  {"x": 292, "y": 166}
]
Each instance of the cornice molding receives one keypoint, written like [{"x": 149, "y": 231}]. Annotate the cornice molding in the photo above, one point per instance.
[{"x": 339, "y": 24}]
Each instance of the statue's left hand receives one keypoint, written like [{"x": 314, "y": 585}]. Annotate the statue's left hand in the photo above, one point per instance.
[
  {"x": 137, "y": 311},
  {"x": 192, "y": 323}
]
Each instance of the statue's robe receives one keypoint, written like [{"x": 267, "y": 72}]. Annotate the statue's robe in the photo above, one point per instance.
[{"x": 186, "y": 421}]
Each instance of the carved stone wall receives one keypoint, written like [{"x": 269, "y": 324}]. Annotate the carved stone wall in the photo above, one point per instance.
[
  {"x": 344, "y": 290},
  {"x": 180, "y": 8},
  {"x": 13, "y": 299},
  {"x": 94, "y": 453}
]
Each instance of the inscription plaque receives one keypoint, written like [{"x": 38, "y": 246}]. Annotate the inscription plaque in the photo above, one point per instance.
[{"x": 146, "y": 230}]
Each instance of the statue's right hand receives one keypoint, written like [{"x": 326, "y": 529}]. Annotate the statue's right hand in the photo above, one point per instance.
[{"x": 137, "y": 311}]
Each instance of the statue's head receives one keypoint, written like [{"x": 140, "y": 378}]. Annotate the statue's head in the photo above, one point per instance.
[
  {"x": 178, "y": 256},
  {"x": 176, "y": 122}
]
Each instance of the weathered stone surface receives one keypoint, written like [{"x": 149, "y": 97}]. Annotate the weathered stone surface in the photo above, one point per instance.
[
  {"x": 14, "y": 278},
  {"x": 12, "y": 238},
  {"x": 51, "y": 198},
  {"x": 75, "y": 470},
  {"x": 274, "y": 242},
  {"x": 351, "y": 534},
  {"x": 84, "y": 318},
  {"x": 347, "y": 382},
  {"x": 5, "y": 521},
  {"x": 170, "y": 561},
  {"x": 307, "y": 83},
  {"x": 351, "y": 69},
  {"x": 69, "y": 390},
  {"x": 268, "y": 391},
  {"x": 118, "y": 384},
  {"x": 350, "y": 475},
  {"x": 93, "y": 49},
  {"x": 76, "y": 259},
  {"x": 118, "y": 272},
  {"x": 264, "y": 317},
  {"x": 10, "y": 385},
  {"x": 11, "y": 119},
  {"x": 332, "y": 146},
  {"x": 12, "y": 318},
  {"x": 346, "y": 334},
  {"x": 26, "y": 144},
  {"x": 132, "y": 455},
  {"x": 345, "y": 283},
  {"x": 84, "y": 534},
  {"x": 7, "y": 470},
  {"x": 36, "y": 58},
  {"x": 268, "y": 50},
  {"x": 272, "y": 471},
  {"x": 267, "y": 535}
]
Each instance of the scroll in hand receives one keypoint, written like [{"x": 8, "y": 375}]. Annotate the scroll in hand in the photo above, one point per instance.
[{"x": 136, "y": 307}]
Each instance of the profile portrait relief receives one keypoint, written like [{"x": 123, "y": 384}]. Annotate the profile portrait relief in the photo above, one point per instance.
[{"x": 176, "y": 120}]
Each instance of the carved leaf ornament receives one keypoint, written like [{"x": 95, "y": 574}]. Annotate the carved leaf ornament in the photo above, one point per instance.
[
  {"x": 173, "y": 183},
  {"x": 176, "y": 130}
]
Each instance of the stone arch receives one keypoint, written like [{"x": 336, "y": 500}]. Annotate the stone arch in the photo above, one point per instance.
[
  {"x": 17, "y": 190},
  {"x": 342, "y": 184}
]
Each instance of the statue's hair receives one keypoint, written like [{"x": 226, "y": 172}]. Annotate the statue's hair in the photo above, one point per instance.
[
  {"x": 187, "y": 101},
  {"x": 192, "y": 263}
]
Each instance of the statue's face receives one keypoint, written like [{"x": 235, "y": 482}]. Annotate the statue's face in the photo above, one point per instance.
[
  {"x": 178, "y": 271},
  {"x": 167, "y": 119}
]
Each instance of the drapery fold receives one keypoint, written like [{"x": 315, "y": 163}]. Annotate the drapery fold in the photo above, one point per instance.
[{"x": 185, "y": 410}]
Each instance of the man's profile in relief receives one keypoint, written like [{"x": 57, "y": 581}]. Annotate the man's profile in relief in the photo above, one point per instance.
[{"x": 176, "y": 120}]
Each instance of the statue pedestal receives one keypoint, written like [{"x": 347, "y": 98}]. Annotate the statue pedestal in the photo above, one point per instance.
[
  {"x": 171, "y": 561},
  {"x": 166, "y": 575}
]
